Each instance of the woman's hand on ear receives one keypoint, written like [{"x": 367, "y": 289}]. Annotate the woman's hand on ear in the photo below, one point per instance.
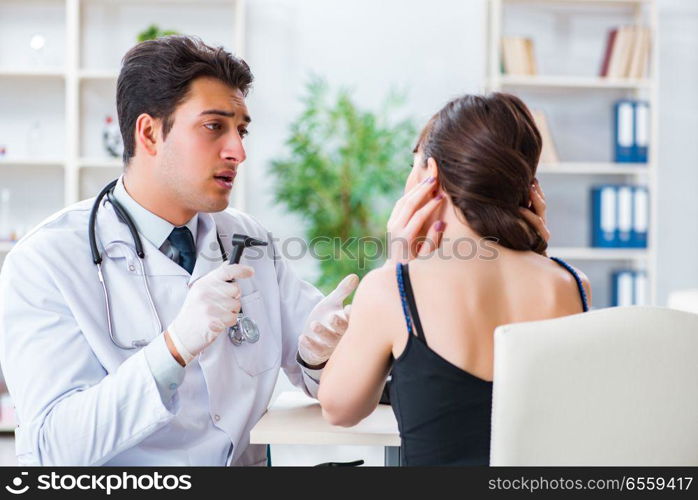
[
  {"x": 407, "y": 221},
  {"x": 536, "y": 214}
]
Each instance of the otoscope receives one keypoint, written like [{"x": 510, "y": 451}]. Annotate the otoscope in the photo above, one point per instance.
[
  {"x": 245, "y": 328},
  {"x": 240, "y": 242}
]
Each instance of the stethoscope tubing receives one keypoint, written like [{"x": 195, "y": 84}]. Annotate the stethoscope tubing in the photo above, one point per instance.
[{"x": 97, "y": 260}]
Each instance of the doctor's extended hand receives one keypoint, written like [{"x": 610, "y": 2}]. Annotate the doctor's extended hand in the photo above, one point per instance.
[
  {"x": 326, "y": 324},
  {"x": 212, "y": 305}
]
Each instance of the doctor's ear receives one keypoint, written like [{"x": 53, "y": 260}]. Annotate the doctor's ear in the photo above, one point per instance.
[{"x": 147, "y": 133}]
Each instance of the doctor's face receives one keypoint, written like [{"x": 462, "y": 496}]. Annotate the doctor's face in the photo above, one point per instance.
[{"x": 199, "y": 158}]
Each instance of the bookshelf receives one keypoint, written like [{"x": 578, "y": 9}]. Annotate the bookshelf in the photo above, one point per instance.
[
  {"x": 76, "y": 78},
  {"x": 569, "y": 38}
]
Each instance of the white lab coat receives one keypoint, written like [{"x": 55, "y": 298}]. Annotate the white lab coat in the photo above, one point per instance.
[{"x": 80, "y": 400}]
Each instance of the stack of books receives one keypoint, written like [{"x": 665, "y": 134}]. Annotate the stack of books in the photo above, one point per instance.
[
  {"x": 620, "y": 216},
  {"x": 627, "y": 52},
  {"x": 629, "y": 288},
  {"x": 632, "y": 129},
  {"x": 517, "y": 56}
]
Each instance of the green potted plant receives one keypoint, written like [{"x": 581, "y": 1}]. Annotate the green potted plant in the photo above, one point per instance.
[
  {"x": 152, "y": 32},
  {"x": 344, "y": 169}
]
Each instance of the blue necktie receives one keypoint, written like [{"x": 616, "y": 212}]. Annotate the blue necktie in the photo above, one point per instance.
[{"x": 182, "y": 239}]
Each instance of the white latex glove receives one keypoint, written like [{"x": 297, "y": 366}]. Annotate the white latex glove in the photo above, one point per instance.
[
  {"x": 212, "y": 305},
  {"x": 326, "y": 324}
]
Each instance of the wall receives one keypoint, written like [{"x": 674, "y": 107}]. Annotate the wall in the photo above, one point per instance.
[{"x": 678, "y": 155}]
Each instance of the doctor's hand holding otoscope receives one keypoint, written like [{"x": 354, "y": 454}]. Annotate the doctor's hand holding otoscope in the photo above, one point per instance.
[{"x": 211, "y": 306}]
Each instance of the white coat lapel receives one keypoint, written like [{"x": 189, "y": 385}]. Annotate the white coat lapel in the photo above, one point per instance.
[{"x": 207, "y": 248}]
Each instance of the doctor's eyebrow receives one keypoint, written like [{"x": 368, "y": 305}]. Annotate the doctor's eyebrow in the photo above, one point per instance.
[{"x": 227, "y": 114}]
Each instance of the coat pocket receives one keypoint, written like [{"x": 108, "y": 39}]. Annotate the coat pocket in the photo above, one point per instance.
[{"x": 258, "y": 357}]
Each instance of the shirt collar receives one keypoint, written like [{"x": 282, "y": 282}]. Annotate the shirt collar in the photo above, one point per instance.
[{"x": 152, "y": 227}]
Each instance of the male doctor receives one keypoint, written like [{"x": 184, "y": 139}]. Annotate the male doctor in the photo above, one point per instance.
[{"x": 190, "y": 396}]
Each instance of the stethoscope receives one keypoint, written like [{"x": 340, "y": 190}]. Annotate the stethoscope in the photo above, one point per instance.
[{"x": 245, "y": 329}]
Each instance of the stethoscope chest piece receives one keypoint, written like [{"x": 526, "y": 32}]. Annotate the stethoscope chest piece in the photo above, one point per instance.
[{"x": 245, "y": 329}]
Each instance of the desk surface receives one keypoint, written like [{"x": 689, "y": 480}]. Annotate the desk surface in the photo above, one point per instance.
[{"x": 294, "y": 418}]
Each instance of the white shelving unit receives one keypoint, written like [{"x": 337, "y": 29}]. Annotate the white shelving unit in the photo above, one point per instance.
[
  {"x": 582, "y": 84},
  {"x": 88, "y": 39}
]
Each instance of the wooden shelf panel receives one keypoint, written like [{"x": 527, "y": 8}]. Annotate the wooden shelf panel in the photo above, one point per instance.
[
  {"x": 27, "y": 162},
  {"x": 593, "y": 168},
  {"x": 585, "y": 3},
  {"x": 580, "y": 82},
  {"x": 57, "y": 73},
  {"x": 98, "y": 74},
  {"x": 591, "y": 253},
  {"x": 100, "y": 163}
]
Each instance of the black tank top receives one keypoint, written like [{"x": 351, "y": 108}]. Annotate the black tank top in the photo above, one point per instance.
[{"x": 442, "y": 411}]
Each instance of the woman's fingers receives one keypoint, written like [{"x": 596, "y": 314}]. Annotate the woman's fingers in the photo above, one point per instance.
[
  {"x": 539, "y": 188},
  {"x": 416, "y": 222},
  {"x": 537, "y": 222},
  {"x": 539, "y": 205},
  {"x": 433, "y": 239},
  {"x": 412, "y": 202}
]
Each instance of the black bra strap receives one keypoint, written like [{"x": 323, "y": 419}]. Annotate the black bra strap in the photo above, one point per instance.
[
  {"x": 580, "y": 286},
  {"x": 412, "y": 304}
]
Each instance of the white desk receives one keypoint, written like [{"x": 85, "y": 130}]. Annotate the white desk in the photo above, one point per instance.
[{"x": 294, "y": 418}]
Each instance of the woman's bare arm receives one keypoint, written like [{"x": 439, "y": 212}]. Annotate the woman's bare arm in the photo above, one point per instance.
[{"x": 353, "y": 379}]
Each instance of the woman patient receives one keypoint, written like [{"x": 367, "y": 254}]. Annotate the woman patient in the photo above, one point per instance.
[{"x": 432, "y": 322}]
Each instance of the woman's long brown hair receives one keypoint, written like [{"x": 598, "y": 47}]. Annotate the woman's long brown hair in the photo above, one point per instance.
[{"x": 487, "y": 150}]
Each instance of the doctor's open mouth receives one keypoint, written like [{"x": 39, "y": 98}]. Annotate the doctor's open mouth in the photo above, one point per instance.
[{"x": 225, "y": 179}]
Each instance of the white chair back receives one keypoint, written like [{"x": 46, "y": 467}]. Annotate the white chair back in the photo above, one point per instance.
[{"x": 616, "y": 386}]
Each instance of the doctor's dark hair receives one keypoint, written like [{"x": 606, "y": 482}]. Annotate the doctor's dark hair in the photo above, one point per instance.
[
  {"x": 156, "y": 75},
  {"x": 487, "y": 149}
]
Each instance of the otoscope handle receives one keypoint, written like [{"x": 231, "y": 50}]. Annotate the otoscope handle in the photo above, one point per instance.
[
  {"x": 236, "y": 254},
  {"x": 240, "y": 242}
]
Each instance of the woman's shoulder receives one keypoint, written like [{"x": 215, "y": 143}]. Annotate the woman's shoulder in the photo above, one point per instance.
[
  {"x": 573, "y": 273},
  {"x": 378, "y": 282},
  {"x": 568, "y": 274},
  {"x": 376, "y": 303}
]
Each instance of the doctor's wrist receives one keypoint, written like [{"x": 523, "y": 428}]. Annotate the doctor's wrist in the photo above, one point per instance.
[
  {"x": 303, "y": 363},
  {"x": 173, "y": 349}
]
